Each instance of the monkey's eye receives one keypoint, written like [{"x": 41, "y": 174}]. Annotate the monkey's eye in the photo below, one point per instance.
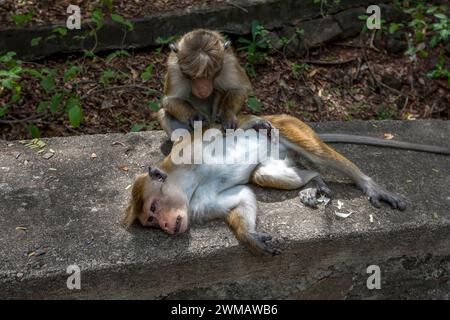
[{"x": 153, "y": 207}]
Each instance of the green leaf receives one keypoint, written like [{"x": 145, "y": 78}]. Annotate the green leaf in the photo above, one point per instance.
[
  {"x": 55, "y": 102},
  {"x": 153, "y": 105},
  {"x": 89, "y": 53},
  {"x": 34, "y": 130},
  {"x": 254, "y": 104},
  {"x": 7, "y": 57},
  {"x": 62, "y": 31},
  {"x": 75, "y": 112},
  {"x": 7, "y": 83},
  {"x": 43, "y": 105},
  {"x": 137, "y": 127},
  {"x": 33, "y": 73},
  {"x": 116, "y": 54},
  {"x": 441, "y": 16},
  {"x": 393, "y": 27},
  {"x": 3, "y": 110},
  {"x": 97, "y": 17},
  {"x": 121, "y": 20},
  {"x": 48, "y": 84},
  {"x": 72, "y": 72},
  {"x": 20, "y": 19},
  {"x": 148, "y": 72},
  {"x": 35, "y": 41}
]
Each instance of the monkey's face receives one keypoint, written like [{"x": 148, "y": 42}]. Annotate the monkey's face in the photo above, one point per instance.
[
  {"x": 164, "y": 207},
  {"x": 202, "y": 87}
]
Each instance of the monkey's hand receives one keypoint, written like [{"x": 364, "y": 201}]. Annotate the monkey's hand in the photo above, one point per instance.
[
  {"x": 257, "y": 243},
  {"x": 197, "y": 117}
]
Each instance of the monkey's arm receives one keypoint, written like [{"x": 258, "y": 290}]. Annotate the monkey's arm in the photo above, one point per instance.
[
  {"x": 178, "y": 108},
  {"x": 347, "y": 138},
  {"x": 230, "y": 105}
]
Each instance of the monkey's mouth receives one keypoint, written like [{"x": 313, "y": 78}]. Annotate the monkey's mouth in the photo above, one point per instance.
[{"x": 177, "y": 224}]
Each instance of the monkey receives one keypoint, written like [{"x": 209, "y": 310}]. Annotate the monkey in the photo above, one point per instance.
[
  {"x": 173, "y": 196},
  {"x": 204, "y": 82}
]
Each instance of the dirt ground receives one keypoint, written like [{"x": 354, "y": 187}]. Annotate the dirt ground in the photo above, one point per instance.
[{"x": 335, "y": 82}]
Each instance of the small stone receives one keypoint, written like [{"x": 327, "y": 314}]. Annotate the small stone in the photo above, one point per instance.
[
  {"x": 19, "y": 275},
  {"x": 48, "y": 155}
]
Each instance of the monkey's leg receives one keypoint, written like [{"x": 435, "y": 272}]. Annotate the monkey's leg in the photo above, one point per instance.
[
  {"x": 169, "y": 123},
  {"x": 231, "y": 104},
  {"x": 301, "y": 138},
  {"x": 280, "y": 174},
  {"x": 240, "y": 208}
]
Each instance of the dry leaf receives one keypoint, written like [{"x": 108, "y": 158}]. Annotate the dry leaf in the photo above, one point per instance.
[
  {"x": 388, "y": 136},
  {"x": 343, "y": 215},
  {"x": 93, "y": 156},
  {"x": 124, "y": 168}
]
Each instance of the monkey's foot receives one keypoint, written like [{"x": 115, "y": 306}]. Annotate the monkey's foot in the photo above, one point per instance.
[
  {"x": 377, "y": 194},
  {"x": 309, "y": 197},
  {"x": 322, "y": 188},
  {"x": 197, "y": 117},
  {"x": 258, "y": 243}
]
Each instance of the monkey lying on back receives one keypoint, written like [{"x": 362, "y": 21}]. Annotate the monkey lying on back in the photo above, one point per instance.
[
  {"x": 173, "y": 196},
  {"x": 204, "y": 81}
]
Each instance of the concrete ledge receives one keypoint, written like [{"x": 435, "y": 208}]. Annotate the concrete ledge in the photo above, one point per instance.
[{"x": 71, "y": 206}]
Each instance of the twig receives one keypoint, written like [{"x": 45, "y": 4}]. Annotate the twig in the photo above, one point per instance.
[
  {"x": 331, "y": 62},
  {"x": 126, "y": 86},
  {"x": 237, "y": 6}
]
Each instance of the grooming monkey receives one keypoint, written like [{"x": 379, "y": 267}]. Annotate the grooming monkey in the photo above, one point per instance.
[
  {"x": 204, "y": 82},
  {"x": 173, "y": 196}
]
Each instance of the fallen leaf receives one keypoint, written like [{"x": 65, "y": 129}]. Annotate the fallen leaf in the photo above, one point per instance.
[
  {"x": 93, "y": 156},
  {"x": 124, "y": 168},
  {"x": 323, "y": 199},
  {"x": 340, "y": 204},
  {"x": 388, "y": 136},
  {"x": 48, "y": 155},
  {"x": 343, "y": 215},
  {"x": 21, "y": 228},
  {"x": 370, "y": 218}
]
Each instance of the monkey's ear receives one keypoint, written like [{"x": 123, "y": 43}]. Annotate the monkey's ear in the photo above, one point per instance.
[
  {"x": 227, "y": 44},
  {"x": 174, "y": 47},
  {"x": 157, "y": 174}
]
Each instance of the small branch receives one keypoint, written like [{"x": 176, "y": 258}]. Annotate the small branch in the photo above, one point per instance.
[
  {"x": 126, "y": 86},
  {"x": 332, "y": 62}
]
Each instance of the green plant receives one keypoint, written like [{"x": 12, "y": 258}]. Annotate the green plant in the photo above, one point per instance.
[
  {"x": 440, "y": 71},
  {"x": 298, "y": 69},
  {"x": 256, "y": 47},
  {"x": 163, "y": 42},
  {"x": 254, "y": 104},
  {"x": 115, "y": 54},
  {"x": 385, "y": 113},
  {"x": 147, "y": 73},
  {"x": 107, "y": 76},
  {"x": 21, "y": 19}
]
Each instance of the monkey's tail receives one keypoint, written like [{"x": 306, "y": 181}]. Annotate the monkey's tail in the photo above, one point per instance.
[{"x": 348, "y": 138}]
